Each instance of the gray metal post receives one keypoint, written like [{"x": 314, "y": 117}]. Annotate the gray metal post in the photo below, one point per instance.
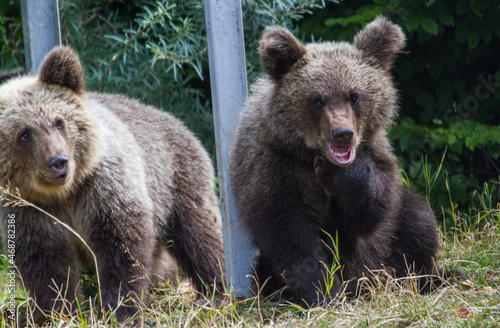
[
  {"x": 41, "y": 29},
  {"x": 226, "y": 54}
]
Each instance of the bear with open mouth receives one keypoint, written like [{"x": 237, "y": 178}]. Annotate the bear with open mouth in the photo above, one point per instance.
[{"x": 314, "y": 173}]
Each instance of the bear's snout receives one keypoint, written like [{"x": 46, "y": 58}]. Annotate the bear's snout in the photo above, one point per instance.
[
  {"x": 342, "y": 136},
  {"x": 341, "y": 148},
  {"x": 59, "y": 164}
]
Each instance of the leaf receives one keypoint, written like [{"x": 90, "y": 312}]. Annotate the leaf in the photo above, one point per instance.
[
  {"x": 494, "y": 152},
  {"x": 429, "y": 25},
  {"x": 451, "y": 139},
  {"x": 464, "y": 313},
  {"x": 412, "y": 23},
  {"x": 446, "y": 19},
  {"x": 407, "y": 121},
  {"x": 456, "y": 147},
  {"x": 477, "y": 12},
  {"x": 462, "y": 7},
  {"x": 429, "y": 3},
  {"x": 406, "y": 141},
  {"x": 330, "y": 22},
  {"x": 473, "y": 40},
  {"x": 472, "y": 142},
  {"x": 494, "y": 133},
  {"x": 437, "y": 121},
  {"x": 468, "y": 283}
]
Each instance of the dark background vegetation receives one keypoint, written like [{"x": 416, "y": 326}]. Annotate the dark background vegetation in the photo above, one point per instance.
[{"x": 448, "y": 132}]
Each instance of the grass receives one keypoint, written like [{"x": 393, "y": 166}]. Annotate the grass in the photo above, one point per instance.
[{"x": 472, "y": 246}]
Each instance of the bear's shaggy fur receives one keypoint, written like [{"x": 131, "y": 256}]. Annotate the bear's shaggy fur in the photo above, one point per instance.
[
  {"x": 133, "y": 181},
  {"x": 311, "y": 155}
]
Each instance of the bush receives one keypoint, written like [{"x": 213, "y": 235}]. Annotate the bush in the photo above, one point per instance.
[{"x": 11, "y": 39}]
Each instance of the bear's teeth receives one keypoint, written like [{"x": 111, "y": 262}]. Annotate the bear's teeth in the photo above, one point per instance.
[{"x": 342, "y": 155}]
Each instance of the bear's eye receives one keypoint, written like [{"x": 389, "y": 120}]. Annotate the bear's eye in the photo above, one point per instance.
[
  {"x": 354, "y": 99},
  {"x": 25, "y": 136},
  {"x": 59, "y": 124},
  {"x": 316, "y": 102}
]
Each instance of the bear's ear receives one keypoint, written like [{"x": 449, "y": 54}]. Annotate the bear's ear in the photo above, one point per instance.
[
  {"x": 62, "y": 67},
  {"x": 381, "y": 40},
  {"x": 278, "y": 51}
]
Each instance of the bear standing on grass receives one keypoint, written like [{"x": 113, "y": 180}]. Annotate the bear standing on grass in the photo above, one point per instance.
[
  {"x": 134, "y": 183},
  {"x": 311, "y": 157}
]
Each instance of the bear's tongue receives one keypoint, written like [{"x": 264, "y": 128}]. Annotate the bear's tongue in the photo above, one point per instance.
[{"x": 341, "y": 155}]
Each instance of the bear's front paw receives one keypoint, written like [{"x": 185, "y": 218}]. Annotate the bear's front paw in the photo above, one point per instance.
[
  {"x": 323, "y": 174},
  {"x": 320, "y": 297}
]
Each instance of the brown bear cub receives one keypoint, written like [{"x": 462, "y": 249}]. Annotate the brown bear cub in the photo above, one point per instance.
[
  {"x": 311, "y": 155},
  {"x": 131, "y": 180}
]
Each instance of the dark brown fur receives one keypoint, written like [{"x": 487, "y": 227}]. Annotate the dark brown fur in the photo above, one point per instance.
[
  {"x": 130, "y": 179},
  {"x": 315, "y": 101}
]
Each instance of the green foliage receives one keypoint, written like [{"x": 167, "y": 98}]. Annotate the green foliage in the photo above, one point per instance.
[
  {"x": 449, "y": 80},
  {"x": 458, "y": 140},
  {"x": 330, "y": 270},
  {"x": 258, "y": 14},
  {"x": 11, "y": 40},
  {"x": 152, "y": 51}
]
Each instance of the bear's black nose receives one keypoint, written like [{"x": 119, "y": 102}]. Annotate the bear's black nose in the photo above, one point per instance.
[
  {"x": 342, "y": 135},
  {"x": 58, "y": 163}
]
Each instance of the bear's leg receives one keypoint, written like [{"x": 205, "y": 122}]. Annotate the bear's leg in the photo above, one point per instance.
[
  {"x": 266, "y": 281},
  {"x": 299, "y": 260},
  {"x": 124, "y": 255},
  {"x": 195, "y": 230},
  {"x": 45, "y": 259},
  {"x": 287, "y": 231},
  {"x": 417, "y": 244},
  {"x": 285, "y": 215},
  {"x": 450, "y": 275},
  {"x": 164, "y": 267}
]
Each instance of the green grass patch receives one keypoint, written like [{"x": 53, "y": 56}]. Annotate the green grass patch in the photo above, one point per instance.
[{"x": 470, "y": 247}]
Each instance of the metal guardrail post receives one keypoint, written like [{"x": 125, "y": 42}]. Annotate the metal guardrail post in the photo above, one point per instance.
[
  {"x": 41, "y": 29},
  {"x": 226, "y": 54}
]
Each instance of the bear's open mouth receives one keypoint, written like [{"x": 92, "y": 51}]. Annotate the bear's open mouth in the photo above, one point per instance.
[{"x": 341, "y": 155}]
